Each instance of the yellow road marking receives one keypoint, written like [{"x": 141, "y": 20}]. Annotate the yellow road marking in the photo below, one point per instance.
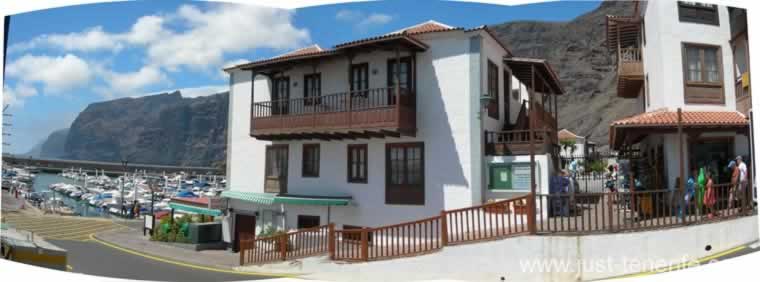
[
  {"x": 183, "y": 264},
  {"x": 44, "y": 228},
  {"x": 84, "y": 232},
  {"x": 682, "y": 265}
]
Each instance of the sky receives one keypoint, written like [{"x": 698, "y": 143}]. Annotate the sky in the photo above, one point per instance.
[{"x": 61, "y": 60}]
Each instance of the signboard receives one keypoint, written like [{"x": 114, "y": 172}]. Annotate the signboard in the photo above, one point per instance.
[
  {"x": 148, "y": 222},
  {"x": 217, "y": 203},
  {"x": 521, "y": 176},
  {"x": 745, "y": 79},
  {"x": 510, "y": 176}
]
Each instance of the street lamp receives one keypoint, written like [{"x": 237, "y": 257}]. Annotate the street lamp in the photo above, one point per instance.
[{"x": 124, "y": 163}]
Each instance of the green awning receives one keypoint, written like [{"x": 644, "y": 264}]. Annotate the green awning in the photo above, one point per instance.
[
  {"x": 195, "y": 209},
  {"x": 258, "y": 198},
  {"x": 269, "y": 199}
]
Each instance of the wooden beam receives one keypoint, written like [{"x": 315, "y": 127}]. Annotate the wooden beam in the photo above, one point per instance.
[
  {"x": 359, "y": 135},
  {"x": 374, "y": 134},
  {"x": 390, "y": 133}
]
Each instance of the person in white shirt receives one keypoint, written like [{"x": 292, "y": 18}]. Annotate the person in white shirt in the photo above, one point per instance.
[{"x": 743, "y": 181}]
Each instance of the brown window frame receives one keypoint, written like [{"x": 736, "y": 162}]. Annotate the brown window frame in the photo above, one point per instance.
[
  {"x": 361, "y": 67},
  {"x": 404, "y": 193},
  {"x": 507, "y": 90},
  {"x": 281, "y": 95},
  {"x": 493, "y": 89},
  {"x": 313, "y": 170},
  {"x": 404, "y": 61},
  {"x": 268, "y": 169},
  {"x": 703, "y": 83},
  {"x": 363, "y": 150},
  {"x": 303, "y": 219},
  {"x": 711, "y": 8},
  {"x": 311, "y": 94}
]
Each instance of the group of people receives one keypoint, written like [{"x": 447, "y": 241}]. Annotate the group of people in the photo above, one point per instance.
[{"x": 700, "y": 188}]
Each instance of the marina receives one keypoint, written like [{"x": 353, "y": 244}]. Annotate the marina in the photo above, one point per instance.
[{"x": 95, "y": 194}]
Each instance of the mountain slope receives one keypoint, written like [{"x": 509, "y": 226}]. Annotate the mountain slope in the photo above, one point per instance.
[
  {"x": 158, "y": 129},
  {"x": 577, "y": 51}
]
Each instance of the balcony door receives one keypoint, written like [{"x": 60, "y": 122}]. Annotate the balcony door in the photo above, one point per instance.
[
  {"x": 404, "y": 77},
  {"x": 280, "y": 95},
  {"x": 359, "y": 79},
  {"x": 276, "y": 169}
]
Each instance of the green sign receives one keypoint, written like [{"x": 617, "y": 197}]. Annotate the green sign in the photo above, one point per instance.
[{"x": 509, "y": 176}]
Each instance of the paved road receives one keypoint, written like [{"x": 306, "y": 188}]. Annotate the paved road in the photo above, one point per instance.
[{"x": 96, "y": 259}]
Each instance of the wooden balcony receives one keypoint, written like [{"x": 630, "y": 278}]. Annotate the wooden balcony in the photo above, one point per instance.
[
  {"x": 517, "y": 142},
  {"x": 630, "y": 72},
  {"x": 743, "y": 98},
  {"x": 378, "y": 113}
]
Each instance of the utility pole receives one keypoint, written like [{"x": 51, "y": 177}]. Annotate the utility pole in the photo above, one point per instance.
[
  {"x": 124, "y": 163},
  {"x": 6, "y": 126}
]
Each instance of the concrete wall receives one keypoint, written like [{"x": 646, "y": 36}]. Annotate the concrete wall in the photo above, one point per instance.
[
  {"x": 542, "y": 258},
  {"x": 663, "y": 59}
]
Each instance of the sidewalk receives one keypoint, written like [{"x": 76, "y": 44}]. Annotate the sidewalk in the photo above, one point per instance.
[{"x": 134, "y": 240}]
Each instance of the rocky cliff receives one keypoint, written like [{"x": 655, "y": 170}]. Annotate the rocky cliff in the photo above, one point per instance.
[
  {"x": 52, "y": 147},
  {"x": 158, "y": 129},
  {"x": 577, "y": 52}
]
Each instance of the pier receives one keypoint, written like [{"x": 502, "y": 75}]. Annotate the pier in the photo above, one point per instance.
[{"x": 110, "y": 168}]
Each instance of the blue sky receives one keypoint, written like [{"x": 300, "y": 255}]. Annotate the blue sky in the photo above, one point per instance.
[{"x": 99, "y": 52}]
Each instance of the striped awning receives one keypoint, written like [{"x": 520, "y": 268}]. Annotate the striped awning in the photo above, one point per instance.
[
  {"x": 257, "y": 198},
  {"x": 269, "y": 199},
  {"x": 194, "y": 209}
]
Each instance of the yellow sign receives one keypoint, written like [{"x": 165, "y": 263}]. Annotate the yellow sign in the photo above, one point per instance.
[{"x": 745, "y": 79}]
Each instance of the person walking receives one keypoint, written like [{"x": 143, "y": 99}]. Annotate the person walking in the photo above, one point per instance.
[
  {"x": 734, "y": 183},
  {"x": 709, "y": 200},
  {"x": 743, "y": 181}
]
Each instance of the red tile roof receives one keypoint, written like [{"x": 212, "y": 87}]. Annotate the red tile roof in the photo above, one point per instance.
[
  {"x": 565, "y": 134},
  {"x": 191, "y": 201},
  {"x": 690, "y": 118},
  {"x": 313, "y": 49},
  {"x": 426, "y": 27}
]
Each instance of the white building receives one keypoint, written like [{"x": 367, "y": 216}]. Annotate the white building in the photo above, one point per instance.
[
  {"x": 680, "y": 55},
  {"x": 574, "y": 145},
  {"x": 342, "y": 135}
]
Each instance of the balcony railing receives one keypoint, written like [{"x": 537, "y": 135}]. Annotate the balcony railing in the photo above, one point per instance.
[
  {"x": 517, "y": 142},
  {"x": 378, "y": 108},
  {"x": 629, "y": 62}
]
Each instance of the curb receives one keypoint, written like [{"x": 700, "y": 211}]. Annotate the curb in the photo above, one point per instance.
[{"x": 185, "y": 264}]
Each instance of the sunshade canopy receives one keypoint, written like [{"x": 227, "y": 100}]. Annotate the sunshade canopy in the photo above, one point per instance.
[
  {"x": 269, "y": 199},
  {"x": 194, "y": 209}
]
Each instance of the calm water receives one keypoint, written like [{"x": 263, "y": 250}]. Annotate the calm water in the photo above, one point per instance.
[{"x": 43, "y": 181}]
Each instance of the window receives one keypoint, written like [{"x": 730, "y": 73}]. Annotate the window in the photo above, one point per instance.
[
  {"x": 312, "y": 88},
  {"x": 405, "y": 173},
  {"x": 355, "y": 236},
  {"x": 359, "y": 79},
  {"x": 276, "y": 169},
  {"x": 702, "y": 64},
  {"x": 493, "y": 90},
  {"x": 695, "y": 12},
  {"x": 357, "y": 163},
  {"x": 405, "y": 73},
  {"x": 280, "y": 95},
  {"x": 308, "y": 221},
  {"x": 310, "y": 165},
  {"x": 703, "y": 74},
  {"x": 507, "y": 102}
]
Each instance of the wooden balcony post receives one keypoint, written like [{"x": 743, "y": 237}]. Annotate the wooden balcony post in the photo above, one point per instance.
[
  {"x": 331, "y": 240},
  {"x": 444, "y": 229},
  {"x": 364, "y": 245},
  {"x": 531, "y": 201},
  {"x": 350, "y": 95},
  {"x": 242, "y": 246},
  {"x": 284, "y": 246},
  {"x": 397, "y": 82},
  {"x": 682, "y": 184}
]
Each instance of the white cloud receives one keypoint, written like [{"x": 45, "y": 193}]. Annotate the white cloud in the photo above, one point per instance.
[
  {"x": 348, "y": 15},
  {"x": 15, "y": 96},
  {"x": 199, "y": 40},
  {"x": 56, "y": 74},
  {"x": 147, "y": 29},
  {"x": 131, "y": 83},
  {"x": 225, "y": 29},
  {"x": 92, "y": 39},
  {"x": 362, "y": 22}
]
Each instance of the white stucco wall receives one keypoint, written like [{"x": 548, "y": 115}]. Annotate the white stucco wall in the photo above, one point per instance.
[
  {"x": 662, "y": 56},
  {"x": 444, "y": 122}
]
